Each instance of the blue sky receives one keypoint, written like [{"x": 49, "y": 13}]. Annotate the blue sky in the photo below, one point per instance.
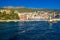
[{"x": 53, "y": 4}]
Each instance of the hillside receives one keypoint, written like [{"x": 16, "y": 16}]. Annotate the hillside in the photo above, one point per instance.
[{"x": 23, "y": 9}]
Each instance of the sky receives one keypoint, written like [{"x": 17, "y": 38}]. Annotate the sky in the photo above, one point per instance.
[{"x": 53, "y": 4}]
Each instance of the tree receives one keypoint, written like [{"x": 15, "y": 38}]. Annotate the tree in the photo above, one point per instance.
[{"x": 12, "y": 11}]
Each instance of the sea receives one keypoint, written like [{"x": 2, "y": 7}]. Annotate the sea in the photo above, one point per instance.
[{"x": 29, "y": 30}]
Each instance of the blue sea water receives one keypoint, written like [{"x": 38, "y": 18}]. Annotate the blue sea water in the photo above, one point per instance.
[{"x": 32, "y": 30}]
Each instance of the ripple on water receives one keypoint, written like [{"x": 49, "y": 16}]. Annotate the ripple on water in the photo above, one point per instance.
[{"x": 35, "y": 30}]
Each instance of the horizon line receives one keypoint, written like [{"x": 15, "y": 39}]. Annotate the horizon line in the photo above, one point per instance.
[{"x": 26, "y": 7}]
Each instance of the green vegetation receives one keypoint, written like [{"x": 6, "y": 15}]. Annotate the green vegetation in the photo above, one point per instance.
[
  {"x": 26, "y": 10},
  {"x": 4, "y": 16},
  {"x": 12, "y": 11}
]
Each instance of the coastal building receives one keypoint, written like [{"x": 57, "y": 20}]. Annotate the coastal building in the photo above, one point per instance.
[
  {"x": 54, "y": 14},
  {"x": 26, "y": 15},
  {"x": 23, "y": 17},
  {"x": 33, "y": 16}
]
